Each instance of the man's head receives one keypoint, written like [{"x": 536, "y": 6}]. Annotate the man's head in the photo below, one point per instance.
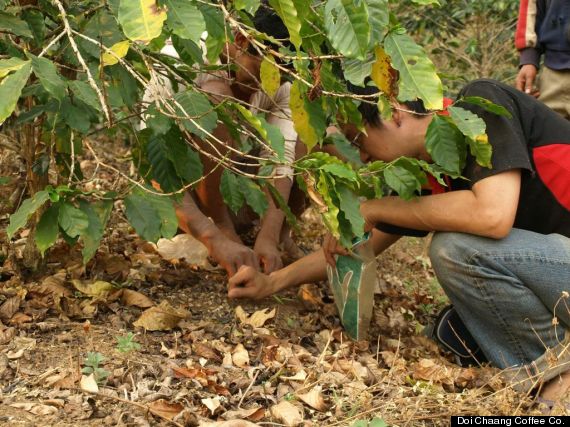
[
  {"x": 243, "y": 53},
  {"x": 402, "y": 135}
]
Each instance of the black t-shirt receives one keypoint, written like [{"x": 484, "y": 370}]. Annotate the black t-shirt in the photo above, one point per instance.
[{"x": 535, "y": 140}]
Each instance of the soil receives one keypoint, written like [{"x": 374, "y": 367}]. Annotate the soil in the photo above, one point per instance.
[{"x": 208, "y": 366}]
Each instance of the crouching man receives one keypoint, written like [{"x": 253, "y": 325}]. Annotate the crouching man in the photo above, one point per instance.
[{"x": 501, "y": 249}]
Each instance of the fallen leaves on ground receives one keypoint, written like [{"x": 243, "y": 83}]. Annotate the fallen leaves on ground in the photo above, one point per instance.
[
  {"x": 161, "y": 318},
  {"x": 165, "y": 409},
  {"x": 287, "y": 413},
  {"x": 257, "y": 319}
]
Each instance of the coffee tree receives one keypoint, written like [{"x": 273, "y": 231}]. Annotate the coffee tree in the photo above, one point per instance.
[{"x": 72, "y": 71}]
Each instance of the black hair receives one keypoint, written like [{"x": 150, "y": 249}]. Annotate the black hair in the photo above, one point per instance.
[
  {"x": 369, "y": 110},
  {"x": 267, "y": 21}
]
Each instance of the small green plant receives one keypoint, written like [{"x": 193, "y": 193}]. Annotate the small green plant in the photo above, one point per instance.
[
  {"x": 374, "y": 422},
  {"x": 92, "y": 362},
  {"x": 127, "y": 343}
]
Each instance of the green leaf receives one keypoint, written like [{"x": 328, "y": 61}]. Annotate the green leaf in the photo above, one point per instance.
[
  {"x": 85, "y": 93},
  {"x": 253, "y": 195},
  {"x": 283, "y": 205},
  {"x": 72, "y": 220},
  {"x": 288, "y": 12},
  {"x": 426, "y": 2},
  {"x": 103, "y": 27},
  {"x": 14, "y": 25},
  {"x": 162, "y": 169},
  {"x": 47, "y": 229},
  {"x": 347, "y": 27},
  {"x": 143, "y": 216},
  {"x": 36, "y": 22},
  {"x": 355, "y": 71},
  {"x": 97, "y": 214},
  {"x": 197, "y": 106},
  {"x": 378, "y": 16},
  {"x": 230, "y": 188},
  {"x": 270, "y": 76},
  {"x": 418, "y": 78},
  {"x": 45, "y": 70},
  {"x": 215, "y": 27},
  {"x": 76, "y": 115},
  {"x": 340, "y": 170},
  {"x": 185, "y": 160},
  {"x": 359, "y": 423},
  {"x": 9, "y": 65},
  {"x": 28, "y": 207},
  {"x": 11, "y": 88},
  {"x": 268, "y": 132},
  {"x": 185, "y": 20},
  {"x": 345, "y": 148},
  {"x": 470, "y": 124},
  {"x": 250, "y": 6},
  {"x": 141, "y": 20},
  {"x": 445, "y": 144},
  {"x": 330, "y": 216},
  {"x": 5, "y": 180},
  {"x": 487, "y": 105},
  {"x": 405, "y": 177},
  {"x": 481, "y": 150},
  {"x": 350, "y": 206},
  {"x": 378, "y": 422}
]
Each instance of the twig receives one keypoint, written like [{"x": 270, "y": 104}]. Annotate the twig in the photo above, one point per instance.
[
  {"x": 50, "y": 44},
  {"x": 248, "y": 388},
  {"x": 75, "y": 49}
]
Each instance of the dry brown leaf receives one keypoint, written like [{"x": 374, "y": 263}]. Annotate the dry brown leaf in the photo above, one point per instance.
[
  {"x": 429, "y": 370},
  {"x": 6, "y": 335},
  {"x": 89, "y": 384},
  {"x": 299, "y": 376},
  {"x": 240, "y": 356},
  {"x": 241, "y": 413},
  {"x": 130, "y": 297},
  {"x": 10, "y": 307},
  {"x": 187, "y": 247},
  {"x": 206, "y": 351},
  {"x": 35, "y": 408},
  {"x": 257, "y": 319},
  {"x": 287, "y": 413},
  {"x": 94, "y": 289},
  {"x": 161, "y": 318},
  {"x": 19, "y": 318},
  {"x": 165, "y": 409},
  {"x": 310, "y": 296},
  {"x": 314, "y": 399},
  {"x": 231, "y": 423},
  {"x": 212, "y": 403}
]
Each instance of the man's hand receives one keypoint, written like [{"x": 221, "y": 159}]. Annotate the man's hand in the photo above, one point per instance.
[
  {"x": 250, "y": 283},
  {"x": 526, "y": 78},
  {"x": 268, "y": 254},
  {"x": 332, "y": 247},
  {"x": 231, "y": 255}
]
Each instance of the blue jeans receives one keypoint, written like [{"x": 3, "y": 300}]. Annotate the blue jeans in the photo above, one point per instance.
[{"x": 508, "y": 291}]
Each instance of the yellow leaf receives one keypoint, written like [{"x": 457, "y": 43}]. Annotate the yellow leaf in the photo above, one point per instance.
[
  {"x": 141, "y": 20},
  {"x": 483, "y": 138},
  {"x": 119, "y": 49},
  {"x": 94, "y": 289},
  {"x": 382, "y": 72},
  {"x": 300, "y": 117},
  {"x": 270, "y": 76},
  {"x": 257, "y": 319}
]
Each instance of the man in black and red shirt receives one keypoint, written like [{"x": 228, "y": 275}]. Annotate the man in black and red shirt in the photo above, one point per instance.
[{"x": 501, "y": 250}]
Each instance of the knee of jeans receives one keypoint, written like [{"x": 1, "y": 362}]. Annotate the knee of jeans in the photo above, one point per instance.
[{"x": 447, "y": 251}]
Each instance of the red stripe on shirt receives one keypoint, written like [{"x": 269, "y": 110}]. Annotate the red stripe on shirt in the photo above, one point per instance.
[{"x": 520, "y": 34}]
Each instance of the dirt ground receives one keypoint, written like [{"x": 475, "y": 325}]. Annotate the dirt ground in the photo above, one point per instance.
[{"x": 70, "y": 353}]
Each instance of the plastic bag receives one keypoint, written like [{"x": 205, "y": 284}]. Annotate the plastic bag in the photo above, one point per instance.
[{"x": 352, "y": 283}]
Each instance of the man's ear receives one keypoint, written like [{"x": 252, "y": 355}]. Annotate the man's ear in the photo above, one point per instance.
[
  {"x": 397, "y": 116},
  {"x": 241, "y": 41}
]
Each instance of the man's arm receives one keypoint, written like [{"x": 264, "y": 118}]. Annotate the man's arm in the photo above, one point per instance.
[
  {"x": 249, "y": 283},
  {"x": 488, "y": 210},
  {"x": 229, "y": 254}
]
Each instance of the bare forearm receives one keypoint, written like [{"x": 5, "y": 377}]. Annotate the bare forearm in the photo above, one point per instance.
[
  {"x": 194, "y": 222},
  {"x": 309, "y": 269},
  {"x": 272, "y": 222}
]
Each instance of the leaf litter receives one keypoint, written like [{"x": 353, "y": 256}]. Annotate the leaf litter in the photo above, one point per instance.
[{"x": 202, "y": 360}]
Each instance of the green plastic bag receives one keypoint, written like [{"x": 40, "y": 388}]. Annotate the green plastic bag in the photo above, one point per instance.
[{"x": 352, "y": 283}]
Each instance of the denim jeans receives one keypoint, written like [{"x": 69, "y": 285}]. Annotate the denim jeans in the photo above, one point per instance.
[{"x": 507, "y": 292}]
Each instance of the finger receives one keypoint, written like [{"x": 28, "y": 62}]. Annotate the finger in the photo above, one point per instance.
[
  {"x": 231, "y": 268},
  {"x": 242, "y": 292},
  {"x": 528, "y": 84},
  {"x": 328, "y": 256},
  {"x": 519, "y": 82}
]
